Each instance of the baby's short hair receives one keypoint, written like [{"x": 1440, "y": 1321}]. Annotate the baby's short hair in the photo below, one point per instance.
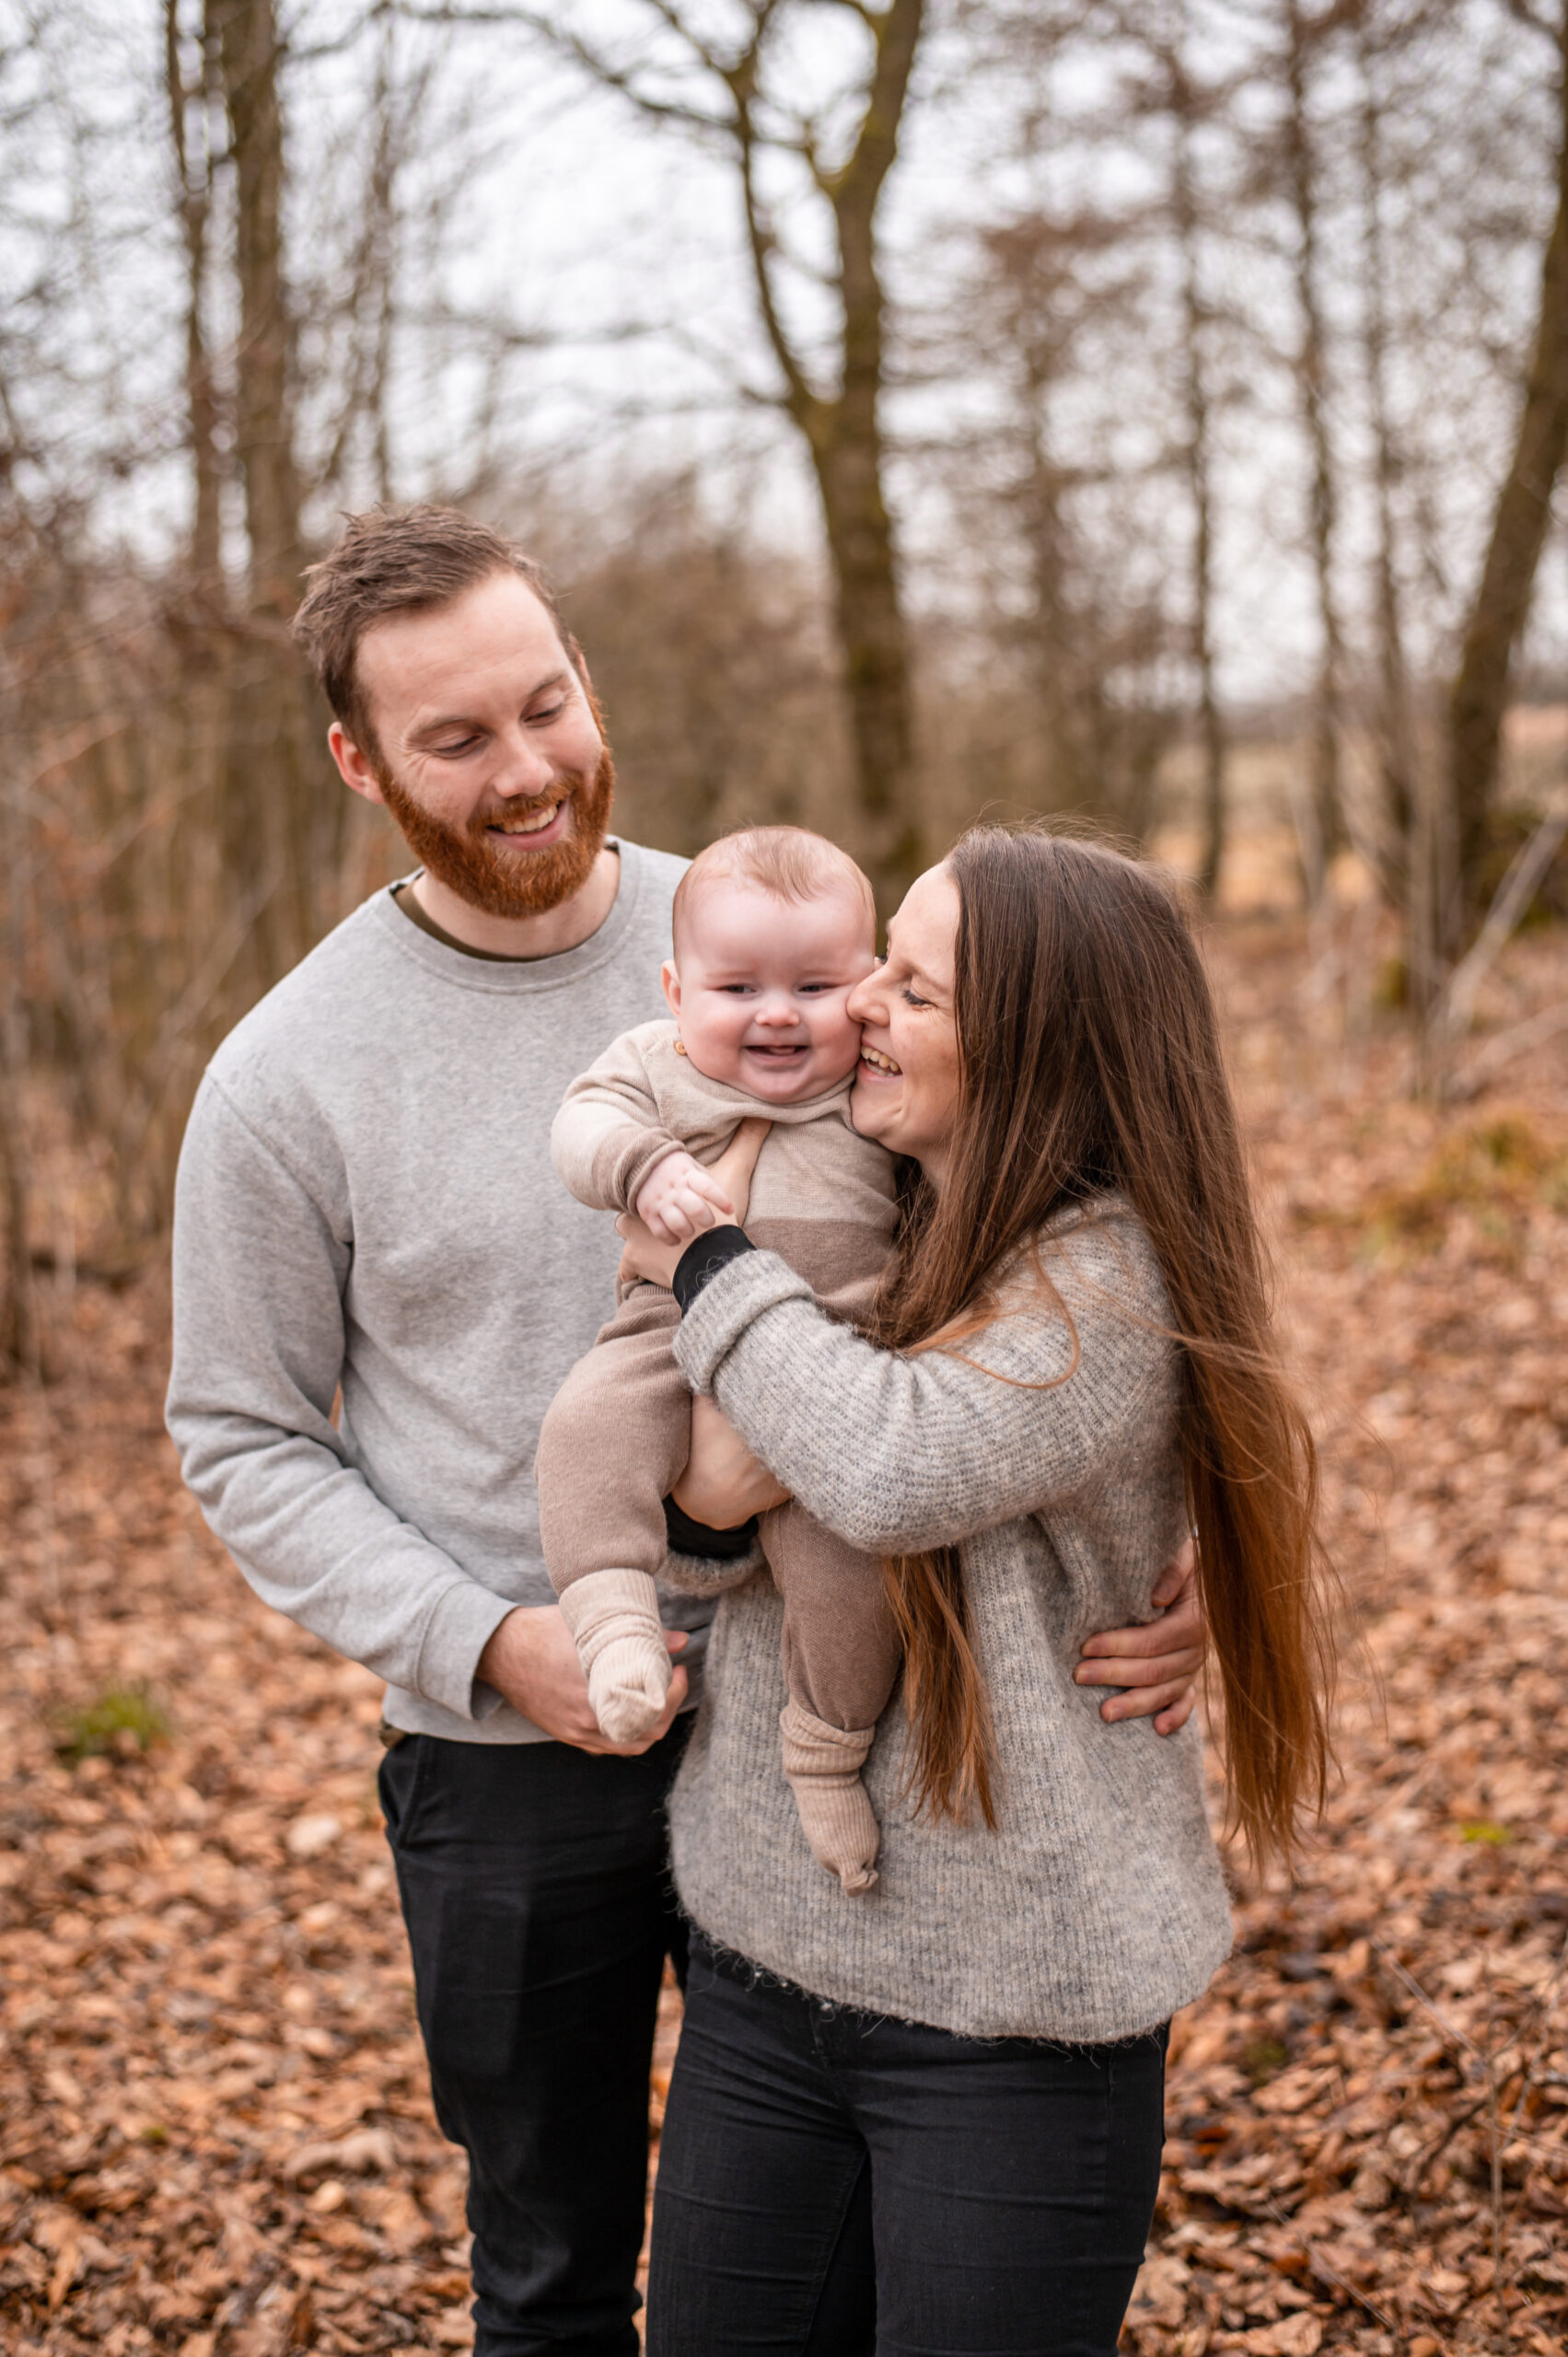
[{"x": 789, "y": 862}]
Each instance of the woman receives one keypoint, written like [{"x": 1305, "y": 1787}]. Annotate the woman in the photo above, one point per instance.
[{"x": 931, "y": 2120}]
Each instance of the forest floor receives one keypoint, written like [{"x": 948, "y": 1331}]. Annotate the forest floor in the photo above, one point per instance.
[{"x": 215, "y": 2135}]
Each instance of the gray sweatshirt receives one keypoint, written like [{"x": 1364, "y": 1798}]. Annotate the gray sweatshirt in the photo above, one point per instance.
[
  {"x": 1098, "y": 1906},
  {"x": 366, "y": 1200}
]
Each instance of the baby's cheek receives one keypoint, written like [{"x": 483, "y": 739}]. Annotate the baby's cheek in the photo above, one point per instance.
[{"x": 840, "y": 1039}]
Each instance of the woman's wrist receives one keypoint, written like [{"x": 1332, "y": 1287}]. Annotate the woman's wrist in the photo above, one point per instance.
[
  {"x": 703, "y": 1259},
  {"x": 704, "y": 1539}
]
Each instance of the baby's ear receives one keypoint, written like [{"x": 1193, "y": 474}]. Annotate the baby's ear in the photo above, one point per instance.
[{"x": 672, "y": 982}]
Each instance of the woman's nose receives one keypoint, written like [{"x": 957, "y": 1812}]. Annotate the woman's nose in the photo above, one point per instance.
[{"x": 862, "y": 1003}]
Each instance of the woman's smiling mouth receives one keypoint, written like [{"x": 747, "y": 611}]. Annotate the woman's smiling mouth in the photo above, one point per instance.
[{"x": 878, "y": 1061}]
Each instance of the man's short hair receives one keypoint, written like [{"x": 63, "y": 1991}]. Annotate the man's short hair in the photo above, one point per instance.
[
  {"x": 400, "y": 561},
  {"x": 791, "y": 863}
]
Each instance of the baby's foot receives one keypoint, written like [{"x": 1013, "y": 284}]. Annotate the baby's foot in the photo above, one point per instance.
[
  {"x": 613, "y": 1616},
  {"x": 822, "y": 1764}
]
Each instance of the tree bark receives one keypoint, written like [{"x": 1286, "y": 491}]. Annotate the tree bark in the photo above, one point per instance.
[
  {"x": 277, "y": 818},
  {"x": 1501, "y": 602},
  {"x": 1396, "y": 746},
  {"x": 1324, "y": 834},
  {"x": 844, "y": 436},
  {"x": 194, "y": 175},
  {"x": 250, "y": 50},
  {"x": 1196, "y": 459}
]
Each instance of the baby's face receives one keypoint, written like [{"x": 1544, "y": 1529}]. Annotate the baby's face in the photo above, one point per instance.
[{"x": 759, "y": 987}]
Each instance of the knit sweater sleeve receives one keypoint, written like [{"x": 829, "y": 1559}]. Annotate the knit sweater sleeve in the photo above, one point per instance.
[
  {"x": 608, "y": 1135},
  {"x": 260, "y": 1267},
  {"x": 899, "y": 1451}
]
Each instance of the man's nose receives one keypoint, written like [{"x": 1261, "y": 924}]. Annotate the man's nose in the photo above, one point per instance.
[{"x": 525, "y": 768}]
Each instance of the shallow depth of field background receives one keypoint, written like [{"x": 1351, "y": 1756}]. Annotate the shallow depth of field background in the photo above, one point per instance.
[{"x": 1145, "y": 418}]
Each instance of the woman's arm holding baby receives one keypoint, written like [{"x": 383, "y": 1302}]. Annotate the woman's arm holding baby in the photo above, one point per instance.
[{"x": 1154, "y": 1666}]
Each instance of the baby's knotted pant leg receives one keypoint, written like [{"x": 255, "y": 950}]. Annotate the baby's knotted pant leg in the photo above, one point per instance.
[
  {"x": 613, "y": 1443},
  {"x": 840, "y": 1659}
]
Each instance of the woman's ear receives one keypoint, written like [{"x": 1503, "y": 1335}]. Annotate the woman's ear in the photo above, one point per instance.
[{"x": 672, "y": 982}]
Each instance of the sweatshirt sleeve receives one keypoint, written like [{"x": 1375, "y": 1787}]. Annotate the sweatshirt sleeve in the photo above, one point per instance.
[
  {"x": 260, "y": 1268},
  {"x": 899, "y": 1451},
  {"x": 608, "y": 1136}
]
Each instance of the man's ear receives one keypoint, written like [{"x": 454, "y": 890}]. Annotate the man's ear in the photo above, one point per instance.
[
  {"x": 353, "y": 768},
  {"x": 672, "y": 982}
]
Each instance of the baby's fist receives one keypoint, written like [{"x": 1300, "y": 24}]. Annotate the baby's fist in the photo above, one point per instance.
[{"x": 678, "y": 1199}]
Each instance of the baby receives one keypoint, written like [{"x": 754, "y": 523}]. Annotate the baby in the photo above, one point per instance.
[{"x": 773, "y": 929}]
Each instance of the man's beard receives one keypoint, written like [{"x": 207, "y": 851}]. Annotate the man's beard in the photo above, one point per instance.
[{"x": 469, "y": 862}]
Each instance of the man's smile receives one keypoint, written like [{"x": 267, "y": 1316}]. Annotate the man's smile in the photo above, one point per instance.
[{"x": 541, "y": 822}]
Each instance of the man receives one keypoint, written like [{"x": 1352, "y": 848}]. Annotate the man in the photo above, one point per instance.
[{"x": 366, "y": 1206}]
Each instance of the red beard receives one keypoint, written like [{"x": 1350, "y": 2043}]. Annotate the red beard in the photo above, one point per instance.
[{"x": 515, "y": 883}]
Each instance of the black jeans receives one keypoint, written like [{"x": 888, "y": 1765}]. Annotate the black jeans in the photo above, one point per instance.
[
  {"x": 535, "y": 1884},
  {"x": 832, "y": 2184}
]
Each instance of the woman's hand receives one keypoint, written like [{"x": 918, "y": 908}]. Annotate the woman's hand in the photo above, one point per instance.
[
  {"x": 724, "y": 1483},
  {"x": 648, "y": 1257},
  {"x": 1159, "y": 1664},
  {"x": 643, "y": 1255}
]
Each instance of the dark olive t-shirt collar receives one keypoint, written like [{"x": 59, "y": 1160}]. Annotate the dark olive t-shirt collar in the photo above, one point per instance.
[{"x": 405, "y": 899}]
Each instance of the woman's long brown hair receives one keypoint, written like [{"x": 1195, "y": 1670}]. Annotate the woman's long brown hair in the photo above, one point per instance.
[{"x": 1090, "y": 1060}]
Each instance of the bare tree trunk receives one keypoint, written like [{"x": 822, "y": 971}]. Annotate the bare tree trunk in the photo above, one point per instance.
[
  {"x": 274, "y": 813},
  {"x": 250, "y": 46},
  {"x": 1418, "y": 859},
  {"x": 1196, "y": 457},
  {"x": 1501, "y": 602},
  {"x": 1396, "y": 739},
  {"x": 18, "y": 1327},
  {"x": 844, "y": 434},
  {"x": 193, "y": 167},
  {"x": 842, "y": 429},
  {"x": 1326, "y": 820}
]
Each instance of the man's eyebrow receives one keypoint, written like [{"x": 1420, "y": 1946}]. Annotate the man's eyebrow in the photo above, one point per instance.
[{"x": 464, "y": 720}]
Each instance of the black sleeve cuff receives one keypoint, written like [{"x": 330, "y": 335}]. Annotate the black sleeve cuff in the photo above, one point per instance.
[
  {"x": 689, "y": 1538},
  {"x": 703, "y": 1259}
]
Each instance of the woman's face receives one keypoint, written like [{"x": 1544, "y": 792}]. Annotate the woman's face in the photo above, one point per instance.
[{"x": 906, "y": 1086}]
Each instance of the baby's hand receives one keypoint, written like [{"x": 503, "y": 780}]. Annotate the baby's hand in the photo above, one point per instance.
[{"x": 678, "y": 1199}]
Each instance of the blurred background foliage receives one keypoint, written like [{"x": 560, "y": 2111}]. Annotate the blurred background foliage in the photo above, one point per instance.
[{"x": 1150, "y": 416}]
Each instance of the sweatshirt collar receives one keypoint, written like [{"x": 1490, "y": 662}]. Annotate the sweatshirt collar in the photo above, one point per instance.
[{"x": 514, "y": 977}]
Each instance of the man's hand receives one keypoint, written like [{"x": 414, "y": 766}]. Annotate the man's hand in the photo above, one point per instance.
[
  {"x": 1158, "y": 1665},
  {"x": 724, "y": 1483},
  {"x": 531, "y": 1660},
  {"x": 679, "y": 1197}
]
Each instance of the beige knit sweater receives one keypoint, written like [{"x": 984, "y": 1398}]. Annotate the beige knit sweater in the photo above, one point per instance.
[
  {"x": 821, "y": 1195},
  {"x": 1098, "y": 1906}
]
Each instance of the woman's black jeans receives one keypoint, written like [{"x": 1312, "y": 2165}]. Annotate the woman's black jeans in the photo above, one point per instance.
[{"x": 834, "y": 2184}]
